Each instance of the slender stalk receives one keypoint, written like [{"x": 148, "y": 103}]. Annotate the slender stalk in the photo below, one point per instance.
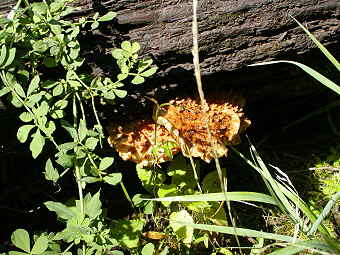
[
  {"x": 205, "y": 108},
  {"x": 81, "y": 107},
  {"x": 126, "y": 194},
  {"x": 77, "y": 170}
]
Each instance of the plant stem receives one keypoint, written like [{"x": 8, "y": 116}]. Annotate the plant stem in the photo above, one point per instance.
[
  {"x": 4, "y": 80},
  {"x": 127, "y": 194}
]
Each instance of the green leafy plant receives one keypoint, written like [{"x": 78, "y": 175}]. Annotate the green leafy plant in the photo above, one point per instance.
[{"x": 36, "y": 37}]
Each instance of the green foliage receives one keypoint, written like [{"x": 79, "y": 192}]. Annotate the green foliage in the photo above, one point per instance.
[
  {"x": 20, "y": 239},
  {"x": 34, "y": 38}
]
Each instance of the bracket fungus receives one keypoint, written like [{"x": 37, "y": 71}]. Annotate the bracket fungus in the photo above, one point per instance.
[{"x": 183, "y": 124}]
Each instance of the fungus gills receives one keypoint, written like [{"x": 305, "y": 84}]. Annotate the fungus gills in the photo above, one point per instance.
[{"x": 182, "y": 123}]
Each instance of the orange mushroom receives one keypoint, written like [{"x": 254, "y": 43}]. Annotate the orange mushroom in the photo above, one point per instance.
[{"x": 183, "y": 123}]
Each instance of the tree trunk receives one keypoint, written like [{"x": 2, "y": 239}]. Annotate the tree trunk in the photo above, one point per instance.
[{"x": 232, "y": 34}]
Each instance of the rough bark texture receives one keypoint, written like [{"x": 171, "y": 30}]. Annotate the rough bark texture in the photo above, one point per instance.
[{"x": 232, "y": 35}]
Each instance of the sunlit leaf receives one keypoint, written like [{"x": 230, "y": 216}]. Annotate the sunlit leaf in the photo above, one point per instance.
[
  {"x": 23, "y": 132},
  {"x": 126, "y": 45},
  {"x": 183, "y": 233},
  {"x": 40, "y": 245},
  {"x": 37, "y": 144},
  {"x": 34, "y": 85},
  {"x": 51, "y": 173},
  {"x": 137, "y": 80},
  {"x": 108, "y": 16},
  {"x": 61, "y": 210},
  {"x": 149, "y": 72},
  {"x": 113, "y": 178},
  {"x": 93, "y": 206},
  {"x": 148, "y": 249},
  {"x": 105, "y": 163},
  {"x": 21, "y": 239}
]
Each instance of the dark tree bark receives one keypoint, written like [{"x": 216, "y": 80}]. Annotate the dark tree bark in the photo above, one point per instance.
[{"x": 232, "y": 35}]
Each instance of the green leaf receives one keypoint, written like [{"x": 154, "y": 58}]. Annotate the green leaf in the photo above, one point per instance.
[
  {"x": 94, "y": 25},
  {"x": 39, "y": 8},
  {"x": 61, "y": 104},
  {"x": 23, "y": 132},
  {"x": 10, "y": 58},
  {"x": 149, "y": 177},
  {"x": 56, "y": 29},
  {"x": 137, "y": 80},
  {"x": 40, "y": 245},
  {"x": 65, "y": 160},
  {"x": 61, "y": 210},
  {"x": 113, "y": 178},
  {"x": 105, "y": 163},
  {"x": 34, "y": 99},
  {"x": 148, "y": 249},
  {"x": 26, "y": 117},
  {"x": 135, "y": 47},
  {"x": 57, "y": 114},
  {"x": 181, "y": 173},
  {"x": 58, "y": 90},
  {"x": 67, "y": 146},
  {"x": 57, "y": 6},
  {"x": 50, "y": 62},
  {"x": 74, "y": 52},
  {"x": 82, "y": 130},
  {"x": 184, "y": 233},
  {"x": 42, "y": 109},
  {"x": 93, "y": 206},
  {"x": 319, "y": 77},
  {"x": 108, "y": 16},
  {"x": 149, "y": 72},
  {"x": 117, "y": 53},
  {"x": 122, "y": 76},
  {"x": 49, "y": 128},
  {"x": 120, "y": 93},
  {"x": 40, "y": 46},
  {"x": 16, "y": 253},
  {"x": 70, "y": 129},
  {"x": 21, "y": 239},
  {"x": 128, "y": 232},
  {"x": 51, "y": 173},
  {"x": 91, "y": 143},
  {"x": 3, "y": 54},
  {"x": 126, "y": 45},
  {"x": 34, "y": 85},
  {"x": 4, "y": 91},
  {"x": 19, "y": 90},
  {"x": 15, "y": 101},
  {"x": 110, "y": 95},
  {"x": 37, "y": 144},
  {"x": 167, "y": 190}
]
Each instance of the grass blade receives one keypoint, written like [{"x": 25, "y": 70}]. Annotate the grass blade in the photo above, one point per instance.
[
  {"x": 324, "y": 213},
  {"x": 232, "y": 196},
  {"x": 319, "y": 77},
  {"x": 238, "y": 231},
  {"x": 314, "y": 245},
  {"x": 320, "y": 46}
]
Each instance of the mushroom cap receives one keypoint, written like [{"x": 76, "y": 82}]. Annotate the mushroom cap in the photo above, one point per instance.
[{"x": 183, "y": 123}]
